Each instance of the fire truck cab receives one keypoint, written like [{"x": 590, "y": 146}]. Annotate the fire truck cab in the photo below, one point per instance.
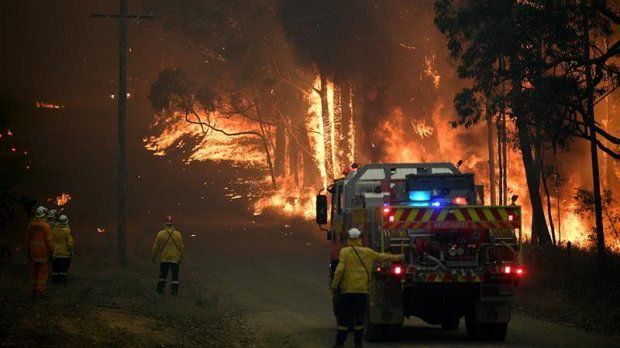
[{"x": 462, "y": 257}]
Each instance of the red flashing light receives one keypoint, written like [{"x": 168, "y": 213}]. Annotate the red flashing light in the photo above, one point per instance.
[
  {"x": 511, "y": 217},
  {"x": 459, "y": 201},
  {"x": 386, "y": 210},
  {"x": 507, "y": 269},
  {"x": 397, "y": 270},
  {"x": 391, "y": 218},
  {"x": 520, "y": 271}
]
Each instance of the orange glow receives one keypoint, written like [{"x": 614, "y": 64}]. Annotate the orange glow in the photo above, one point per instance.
[{"x": 63, "y": 199}]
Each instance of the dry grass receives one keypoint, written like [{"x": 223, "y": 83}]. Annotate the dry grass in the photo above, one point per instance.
[
  {"x": 568, "y": 288},
  {"x": 102, "y": 306}
]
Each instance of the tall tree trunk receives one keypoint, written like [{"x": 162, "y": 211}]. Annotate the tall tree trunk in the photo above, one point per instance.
[
  {"x": 559, "y": 219},
  {"x": 547, "y": 194},
  {"x": 265, "y": 143},
  {"x": 345, "y": 106},
  {"x": 540, "y": 233},
  {"x": 311, "y": 175},
  {"x": 491, "y": 156},
  {"x": 589, "y": 118},
  {"x": 505, "y": 157},
  {"x": 280, "y": 151},
  {"x": 327, "y": 128},
  {"x": 500, "y": 162},
  {"x": 293, "y": 157},
  {"x": 337, "y": 129}
]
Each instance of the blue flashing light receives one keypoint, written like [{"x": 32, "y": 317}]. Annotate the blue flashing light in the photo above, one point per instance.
[
  {"x": 417, "y": 196},
  {"x": 419, "y": 204},
  {"x": 436, "y": 204}
]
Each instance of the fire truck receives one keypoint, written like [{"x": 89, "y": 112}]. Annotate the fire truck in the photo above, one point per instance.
[{"x": 462, "y": 258}]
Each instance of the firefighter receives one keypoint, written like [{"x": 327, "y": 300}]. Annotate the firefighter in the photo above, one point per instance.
[
  {"x": 168, "y": 248},
  {"x": 63, "y": 249},
  {"x": 350, "y": 286},
  {"x": 39, "y": 251},
  {"x": 51, "y": 217}
]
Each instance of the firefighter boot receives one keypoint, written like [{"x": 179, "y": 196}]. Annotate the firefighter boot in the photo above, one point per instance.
[
  {"x": 174, "y": 288},
  {"x": 161, "y": 284},
  {"x": 341, "y": 337}
]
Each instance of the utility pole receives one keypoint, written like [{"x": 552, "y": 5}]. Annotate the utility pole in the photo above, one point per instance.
[
  {"x": 121, "y": 246},
  {"x": 491, "y": 154}
]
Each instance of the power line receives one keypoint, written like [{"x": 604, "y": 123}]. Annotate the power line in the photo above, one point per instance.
[{"x": 122, "y": 17}]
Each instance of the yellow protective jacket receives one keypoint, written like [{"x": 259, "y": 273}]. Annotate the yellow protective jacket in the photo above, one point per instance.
[
  {"x": 39, "y": 241},
  {"x": 168, "y": 245},
  {"x": 63, "y": 242},
  {"x": 350, "y": 276}
]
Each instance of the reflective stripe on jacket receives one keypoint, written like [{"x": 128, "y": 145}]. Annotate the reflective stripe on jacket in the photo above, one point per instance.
[
  {"x": 168, "y": 246},
  {"x": 40, "y": 244},
  {"x": 63, "y": 242},
  {"x": 350, "y": 276}
]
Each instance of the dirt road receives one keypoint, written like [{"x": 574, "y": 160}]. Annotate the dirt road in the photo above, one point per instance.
[{"x": 277, "y": 274}]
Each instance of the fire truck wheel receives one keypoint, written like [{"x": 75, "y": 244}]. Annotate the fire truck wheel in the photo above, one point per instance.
[
  {"x": 393, "y": 331},
  {"x": 496, "y": 331},
  {"x": 450, "y": 323},
  {"x": 472, "y": 326}
]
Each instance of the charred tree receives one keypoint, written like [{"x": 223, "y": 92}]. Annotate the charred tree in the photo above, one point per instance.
[
  {"x": 490, "y": 141},
  {"x": 280, "y": 151},
  {"x": 327, "y": 128},
  {"x": 346, "y": 120}
]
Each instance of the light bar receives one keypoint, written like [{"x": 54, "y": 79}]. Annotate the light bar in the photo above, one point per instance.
[{"x": 420, "y": 196}]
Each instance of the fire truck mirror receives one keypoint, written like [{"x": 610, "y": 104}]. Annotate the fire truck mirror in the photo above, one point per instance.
[{"x": 321, "y": 209}]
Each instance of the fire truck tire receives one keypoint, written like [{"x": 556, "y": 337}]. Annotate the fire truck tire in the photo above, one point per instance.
[
  {"x": 496, "y": 331},
  {"x": 450, "y": 323},
  {"x": 472, "y": 326},
  {"x": 393, "y": 331},
  {"x": 485, "y": 331}
]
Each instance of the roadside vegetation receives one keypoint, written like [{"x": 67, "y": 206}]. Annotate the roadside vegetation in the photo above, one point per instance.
[
  {"x": 562, "y": 286},
  {"x": 102, "y": 306}
]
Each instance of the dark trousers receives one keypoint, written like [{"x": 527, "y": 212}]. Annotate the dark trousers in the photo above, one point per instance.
[
  {"x": 60, "y": 267},
  {"x": 350, "y": 309},
  {"x": 164, "y": 267}
]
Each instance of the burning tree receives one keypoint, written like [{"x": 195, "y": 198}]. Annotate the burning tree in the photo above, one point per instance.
[{"x": 527, "y": 59}]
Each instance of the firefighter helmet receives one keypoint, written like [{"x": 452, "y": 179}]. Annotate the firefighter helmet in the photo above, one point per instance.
[
  {"x": 168, "y": 220},
  {"x": 51, "y": 213},
  {"x": 41, "y": 211},
  {"x": 63, "y": 219},
  {"x": 354, "y": 233}
]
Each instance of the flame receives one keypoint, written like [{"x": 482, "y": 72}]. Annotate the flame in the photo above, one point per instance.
[
  {"x": 421, "y": 128},
  {"x": 46, "y": 105},
  {"x": 403, "y": 139},
  {"x": 431, "y": 71},
  {"x": 63, "y": 199}
]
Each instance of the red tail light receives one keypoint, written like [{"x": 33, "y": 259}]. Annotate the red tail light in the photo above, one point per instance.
[
  {"x": 397, "y": 270},
  {"x": 391, "y": 218},
  {"x": 459, "y": 201},
  {"x": 519, "y": 271},
  {"x": 506, "y": 269}
]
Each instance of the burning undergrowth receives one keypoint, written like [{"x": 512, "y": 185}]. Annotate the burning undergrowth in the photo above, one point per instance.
[{"x": 331, "y": 86}]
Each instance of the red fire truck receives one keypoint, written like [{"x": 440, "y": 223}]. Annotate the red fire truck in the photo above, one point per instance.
[{"x": 462, "y": 257}]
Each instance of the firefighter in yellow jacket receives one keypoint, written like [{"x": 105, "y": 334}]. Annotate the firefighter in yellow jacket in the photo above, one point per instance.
[
  {"x": 168, "y": 248},
  {"x": 40, "y": 247},
  {"x": 351, "y": 286},
  {"x": 63, "y": 249}
]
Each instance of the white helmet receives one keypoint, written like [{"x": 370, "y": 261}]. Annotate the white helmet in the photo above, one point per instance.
[
  {"x": 354, "y": 233},
  {"x": 63, "y": 219},
  {"x": 41, "y": 211}
]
